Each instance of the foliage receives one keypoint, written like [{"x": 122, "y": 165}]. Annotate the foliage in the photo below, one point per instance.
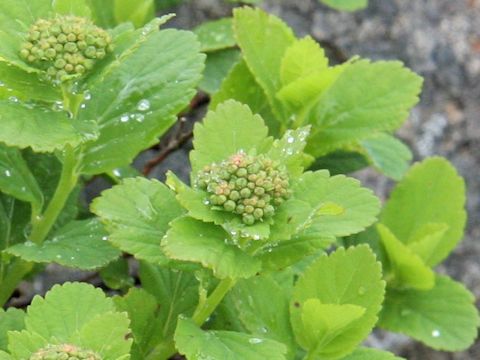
[{"x": 270, "y": 250}]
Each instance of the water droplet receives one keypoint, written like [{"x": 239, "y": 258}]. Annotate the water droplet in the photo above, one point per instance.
[
  {"x": 143, "y": 105},
  {"x": 290, "y": 139},
  {"x": 29, "y": 244},
  {"x": 206, "y": 202},
  {"x": 255, "y": 341},
  {"x": 2, "y": 84},
  {"x": 105, "y": 238},
  {"x": 72, "y": 257},
  {"x": 139, "y": 117},
  {"x": 57, "y": 106},
  {"x": 263, "y": 330},
  {"x": 117, "y": 173},
  {"x": 8, "y": 173},
  {"x": 87, "y": 95},
  {"x": 256, "y": 237},
  {"x": 436, "y": 333},
  {"x": 124, "y": 118},
  {"x": 361, "y": 290},
  {"x": 58, "y": 256},
  {"x": 13, "y": 99}
]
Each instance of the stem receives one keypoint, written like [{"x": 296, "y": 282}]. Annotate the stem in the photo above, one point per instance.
[
  {"x": 68, "y": 180},
  {"x": 203, "y": 311}
]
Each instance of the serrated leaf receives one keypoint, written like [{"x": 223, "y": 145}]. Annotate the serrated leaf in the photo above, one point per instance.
[
  {"x": 80, "y": 244},
  {"x": 215, "y": 35},
  {"x": 137, "y": 12},
  {"x": 351, "y": 276},
  {"x": 301, "y": 59},
  {"x": 262, "y": 307},
  {"x": 366, "y": 98},
  {"x": 22, "y": 344},
  {"x": 5, "y": 356},
  {"x": 10, "y": 320},
  {"x": 140, "y": 94},
  {"x": 263, "y": 39},
  {"x": 72, "y": 7},
  {"x": 431, "y": 192},
  {"x": 197, "y": 344},
  {"x": 233, "y": 87},
  {"x": 136, "y": 213},
  {"x": 443, "y": 317},
  {"x": 388, "y": 154},
  {"x": 408, "y": 268},
  {"x": 40, "y": 128},
  {"x": 16, "y": 179},
  {"x": 363, "y": 353},
  {"x": 224, "y": 132},
  {"x": 192, "y": 240},
  {"x": 217, "y": 67},
  {"x": 346, "y": 5}
]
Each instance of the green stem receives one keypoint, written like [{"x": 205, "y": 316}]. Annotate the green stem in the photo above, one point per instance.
[
  {"x": 204, "y": 310},
  {"x": 67, "y": 182}
]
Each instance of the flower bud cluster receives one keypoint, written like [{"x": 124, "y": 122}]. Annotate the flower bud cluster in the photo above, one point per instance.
[
  {"x": 246, "y": 185},
  {"x": 65, "y": 46},
  {"x": 64, "y": 352}
]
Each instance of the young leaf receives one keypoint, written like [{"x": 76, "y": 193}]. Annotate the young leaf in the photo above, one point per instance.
[
  {"x": 224, "y": 132},
  {"x": 363, "y": 353},
  {"x": 264, "y": 40},
  {"x": 80, "y": 244},
  {"x": 425, "y": 241},
  {"x": 16, "y": 179},
  {"x": 197, "y": 344},
  {"x": 22, "y": 344},
  {"x": 351, "y": 276},
  {"x": 72, "y": 7},
  {"x": 217, "y": 66},
  {"x": 140, "y": 94},
  {"x": 137, "y": 12},
  {"x": 215, "y": 35},
  {"x": 431, "y": 192},
  {"x": 196, "y": 241},
  {"x": 136, "y": 213},
  {"x": 388, "y": 154},
  {"x": 11, "y": 320},
  {"x": 408, "y": 268},
  {"x": 367, "y": 97},
  {"x": 443, "y": 317}
]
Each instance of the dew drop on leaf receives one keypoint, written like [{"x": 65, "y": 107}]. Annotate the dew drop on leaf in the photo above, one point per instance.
[
  {"x": 124, "y": 118},
  {"x": 255, "y": 341},
  {"x": 8, "y": 173},
  {"x": 143, "y": 105},
  {"x": 436, "y": 333}
]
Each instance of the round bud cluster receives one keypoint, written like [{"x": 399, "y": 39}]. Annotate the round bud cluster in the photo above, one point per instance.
[
  {"x": 64, "y": 352},
  {"x": 65, "y": 46},
  {"x": 246, "y": 185}
]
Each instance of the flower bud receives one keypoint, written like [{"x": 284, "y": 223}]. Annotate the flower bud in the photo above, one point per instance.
[{"x": 64, "y": 352}]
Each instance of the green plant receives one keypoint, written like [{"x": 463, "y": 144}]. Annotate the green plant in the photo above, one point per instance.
[{"x": 266, "y": 254}]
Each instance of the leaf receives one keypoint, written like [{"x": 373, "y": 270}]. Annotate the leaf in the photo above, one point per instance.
[
  {"x": 408, "y": 269},
  {"x": 116, "y": 275},
  {"x": 346, "y": 5},
  {"x": 217, "y": 66},
  {"x": 65, "y": 310},
  {"x": 425, "y": 241},
  {"x": 301, "y": 59},
  {"x": 15, "y": 216},
  {"x": 22, "y": 344},
  {"x": 192, "y": 240},
  {"x": 240, "y": 85},
  {"x": 444, "y": 317},
  {"x": 366, "y": 98},
  {"x": 388, "y": 154},
  {"x": 263, "y": 39},
  {"x": 102, "y": 12},
  {"x": 137, "y": 12},
  {"x": 10, "y": 320},
  {"x": 40, "y": 128},
  {"x": 197, "y": 344},
  {"x": 363, "y": 353},
  {"x": 352, "y": 277},
  {"x": 431, "y": 192},
  {"x": 71, "y": 7},
  {"x": 136, "y": 213},
  {"x": 340, "y": 162},
  {"x": 224, "y": 132},
  {"x": 140, "y": 94},
  {"x": 263, "y": 308},
  {"x": 215, "y": 35},
  {"x": 16, "y": 179},
  {"x": 80, "y": 244}
]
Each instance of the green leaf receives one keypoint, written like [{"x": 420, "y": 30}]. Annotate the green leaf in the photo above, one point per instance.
[
  {"x": 16, "y": 179},
  {"x": 425, "y": 241},
  {"x": 302, "y": 59},
  {"x": 363, "y": 353},
  {"x": 15, "y": 216},
  {"x": 217, "y": 66},
  {"x": 80, "y": 244},
  {"x": 340, "y": 162},
  {"x": 138, "y": 12},
  {"x": 140, "y": 94},
  {"x": 65, "y": 310},
  {"x": 10, "y": 320},
  {"x": 366, "y": 98},
  {"x": 192, "y": 240},
  {"x": 388, "y": 154},
  {"x": 262, "y": 307},
  {"x": 224, "y": 132},
  {"x": 347, "y": 5},
  {"x": 444, "y": 317},
  {"x": 233, "y": 87},
  {"x": 263, "y": 39},
  {"x": 40, "y": 128},
  {"x": 22, "y": 344},
  {"x": 102, "y": 12},
  {"x": 136, "y": 213},
  {"x": 215, "y": 35},
  {"x": 346, "y": 277},
  {"x": 72, "y": 7},
  {"x": 197, "y": 344},
  {"x": 116, "y": 275},
  {"x": 408, "y": 268},
  {"x": 431, "y": 192}
]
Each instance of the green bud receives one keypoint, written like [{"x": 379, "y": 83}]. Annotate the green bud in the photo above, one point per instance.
[
  {"x": 229, "y": 205},
  {"x": 234, "y": 195},
  {"x": 64, "y": 352},
  {"x": 258, "y": 213},
  {"x": 245, "y": 193},
  {"x": 242, "y": 172},
  {"x": 248, "y": 219},
  {"x": 24, "y": 53}
]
